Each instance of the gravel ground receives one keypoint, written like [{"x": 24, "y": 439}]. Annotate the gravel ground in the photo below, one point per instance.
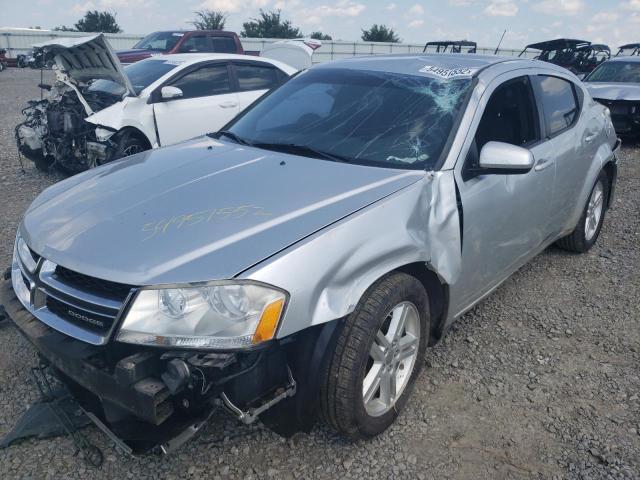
[{"x": 541, "y": 380}]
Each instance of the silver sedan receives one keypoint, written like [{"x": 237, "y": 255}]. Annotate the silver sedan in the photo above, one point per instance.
[{"x": 300, "y": 261}]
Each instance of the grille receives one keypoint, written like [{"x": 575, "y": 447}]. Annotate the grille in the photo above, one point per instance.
[
  {"x": 95, "y": 286},
  {"x": 34, "y": 255},
  {"x": 82, "y": 318}
]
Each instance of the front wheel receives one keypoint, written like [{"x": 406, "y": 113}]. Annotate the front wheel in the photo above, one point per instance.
[
  {"x": 588, "y": 229},
  {"x": 129, "y": 144},
  {"x": 369, "y": 376}
]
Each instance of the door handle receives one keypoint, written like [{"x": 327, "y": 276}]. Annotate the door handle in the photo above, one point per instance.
[
  {"x": 228, "y": 105},
  {"x": 542, "y": 164},
  {"x": 589, "y": 138}
]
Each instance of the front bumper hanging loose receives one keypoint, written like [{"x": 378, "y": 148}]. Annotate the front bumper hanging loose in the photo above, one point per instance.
[{"x": 131, "y": 394}]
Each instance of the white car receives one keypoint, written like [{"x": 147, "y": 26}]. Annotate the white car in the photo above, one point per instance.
[{"x": 155, "y": 102}]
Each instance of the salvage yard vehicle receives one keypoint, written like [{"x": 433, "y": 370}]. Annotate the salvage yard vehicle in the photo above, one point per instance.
[
  {"x": 577, "y": 56},
  {"x": 97, "y": 111},
  {"x": 448, "y": 46},
  {"x": 616, "y": 85},
  {"x": 182, "y": 41},
  {"x": 628, "y": 50},
  {"x": 298, "y": 263}
]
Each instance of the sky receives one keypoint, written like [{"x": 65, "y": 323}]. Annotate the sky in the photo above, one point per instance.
[{"x": 604, "y": 21}]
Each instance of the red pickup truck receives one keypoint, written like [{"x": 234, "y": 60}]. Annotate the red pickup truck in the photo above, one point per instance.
[{"x": 182, "y": 41}]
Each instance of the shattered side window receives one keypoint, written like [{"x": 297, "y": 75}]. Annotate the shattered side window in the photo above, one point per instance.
[{"x": 366, "y": 117}]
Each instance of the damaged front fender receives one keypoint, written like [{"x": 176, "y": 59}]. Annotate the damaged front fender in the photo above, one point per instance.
[{"x": 363, "y": 249}]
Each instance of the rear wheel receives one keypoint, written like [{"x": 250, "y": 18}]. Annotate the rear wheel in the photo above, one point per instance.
[
  {"x": 370, "y": 374},
  {"x": 588, "y": 229}
]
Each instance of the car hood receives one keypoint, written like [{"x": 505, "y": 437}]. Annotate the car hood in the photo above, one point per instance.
[
  {"x": 87, "y": 58},
  {"x": 197, "y": 211},
  {"x": 614, "y": 91}
]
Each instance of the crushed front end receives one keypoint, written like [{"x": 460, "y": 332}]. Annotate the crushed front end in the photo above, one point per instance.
[
  {"x": 625, "y": 115},
  {"x": 148, "y": 397},
  {"x": 55, "y": 132}
]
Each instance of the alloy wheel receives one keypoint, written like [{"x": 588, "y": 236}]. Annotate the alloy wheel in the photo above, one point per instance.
[{"x": 392, "y": 358}]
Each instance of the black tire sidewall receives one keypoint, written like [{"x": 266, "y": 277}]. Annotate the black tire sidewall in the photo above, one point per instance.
[
  {"x": 587, "y": 244},
  {"x": 407, "y": 289}
]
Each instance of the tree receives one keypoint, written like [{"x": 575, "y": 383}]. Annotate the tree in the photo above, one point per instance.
[
  {"x": 270, "y": 25},
  {"x": 320, "y": 36},
  {"x": 209, "y": 20},
  {"x": 380, "y": 33},
  {"x": 95, "y": 21}
]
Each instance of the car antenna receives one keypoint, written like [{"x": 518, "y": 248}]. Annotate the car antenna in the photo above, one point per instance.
[{"x": 500, "y": 42}]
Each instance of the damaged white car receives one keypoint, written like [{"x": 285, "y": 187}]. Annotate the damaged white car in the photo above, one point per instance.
[{"x": 97, "y": 111}]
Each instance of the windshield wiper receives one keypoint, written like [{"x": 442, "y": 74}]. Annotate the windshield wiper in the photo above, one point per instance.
[
  {"x": 304, "y": 150},
  {"x": 232, "y": 136}
]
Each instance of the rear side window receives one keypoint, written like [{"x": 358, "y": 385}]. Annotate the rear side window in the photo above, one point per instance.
[
  {"x": 257, "y": 77},
  {"x": 196, "y": 44},
  {"x": 559, "y": 103},
  {"x": 223, "y": 45},
  {"x": 205, "y": 81}
]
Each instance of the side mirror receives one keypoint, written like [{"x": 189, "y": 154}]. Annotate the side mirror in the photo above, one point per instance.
[
  {"x": 504, "y": 158},
  {"x": 167, "y": 93}
]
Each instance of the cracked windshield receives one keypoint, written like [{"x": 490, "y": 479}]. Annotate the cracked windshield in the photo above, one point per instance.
[{"x": 365, "y": 117}]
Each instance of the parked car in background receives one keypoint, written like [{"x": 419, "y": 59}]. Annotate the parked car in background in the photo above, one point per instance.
[
  {"x": 449, "y": 46},
  {"x": 182, "y": 41},
  {"x": 629, "y": 49},
  {"x": 577, "y": 56},
  {"x": 297, "y": 264},
  {"x": 616, "y": 84},
  {"x": 98, "y": 111},
  {"x": 3, "y": 59}
]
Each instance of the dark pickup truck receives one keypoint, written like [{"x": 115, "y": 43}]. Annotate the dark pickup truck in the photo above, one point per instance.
[{"x": 182, "y": 41}]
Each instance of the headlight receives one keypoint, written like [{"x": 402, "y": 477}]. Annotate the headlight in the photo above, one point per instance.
[{"x": 226, "y": 315}]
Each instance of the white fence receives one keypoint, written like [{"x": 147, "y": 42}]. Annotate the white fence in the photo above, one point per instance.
[{"x": 17, "y": 41}]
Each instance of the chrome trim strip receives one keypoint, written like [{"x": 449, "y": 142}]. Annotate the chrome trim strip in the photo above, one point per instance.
[
  {"x": 76, "y": 306},
  {"x": 48, "y": 280},
  {"x": 47, "y": 317}
]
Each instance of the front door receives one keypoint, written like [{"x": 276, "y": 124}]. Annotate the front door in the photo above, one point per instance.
[
  {"x": 208, "y": 102},
  {"x": 505, "y": 217}
]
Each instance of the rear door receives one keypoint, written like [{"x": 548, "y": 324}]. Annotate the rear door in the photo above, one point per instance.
[
  {"x": 571, "y": 147},
  {"x": 254, "y": 79},
  {"x": 208, "y": 102}
]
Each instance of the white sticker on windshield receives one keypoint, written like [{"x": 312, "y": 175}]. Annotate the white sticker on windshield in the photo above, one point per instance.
[
  {"x": 173, "y": 62},
  {"x": 175, "y": 34},
  {"x": 448, "y": 72}
]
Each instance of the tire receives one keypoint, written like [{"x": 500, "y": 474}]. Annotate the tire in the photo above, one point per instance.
[
  {"x": 43, "y": 163},
  {"x": 130, "y": 144},
  {"x": 585, "y": 235},
  {"x": 342, "y": 403}
]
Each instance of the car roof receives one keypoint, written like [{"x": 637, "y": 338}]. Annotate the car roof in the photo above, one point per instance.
[
  {"x": 190, "y": 58},
  {"x": 629, "y": 58},
  {"x": 463, "y": 43},
  {"x": 558, "y": 43},
  {"x": 410, "y": 64},
  {"x": 630, "y": 45}
]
